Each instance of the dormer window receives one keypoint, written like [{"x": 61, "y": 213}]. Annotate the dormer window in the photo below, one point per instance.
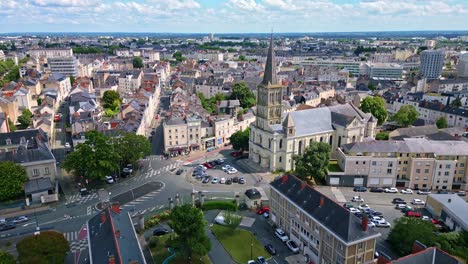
[
  {"x": 22, "y": 140},
  {"x": 8, "y": 141}
]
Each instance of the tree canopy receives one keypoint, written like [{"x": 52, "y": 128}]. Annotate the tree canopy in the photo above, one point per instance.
[
  {"x": 178, "y": 56},
  {"x": 441, "y": 122},
  {"x": 49, "y": 247},
  {"x": 12, "y": 178},
  {"x": 313, "y": 163},
  {"x": 132, "y": 147},
  {"x": 382, "y": 136},
  {"x": 406, "y": 116},
  {"x": 241, "y": 92},
  {"x": 6, "y": 258},
  {"x": 111, "y": 99},
  {"x": 240, "y": 140},
  {"x": 408, "y": 229},
  {"x": 26, "y": 118},
  {"x": 210, "y": 104},
  {"x": 456, "y": 102},
  {"x": 138, "y": 62},
  {"x": 455, "y": 243},
  {"x": 376, "y": 106},
  {"x": 189, "y": 225}
]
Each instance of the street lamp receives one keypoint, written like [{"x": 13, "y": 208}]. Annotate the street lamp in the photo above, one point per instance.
[{"x": 251, "y": 245}]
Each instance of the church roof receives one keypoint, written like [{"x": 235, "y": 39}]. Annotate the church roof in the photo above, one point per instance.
[
  {"x": 312, "y": 121},
  {"x": 288, "y": 121},
  {"x": 269, "y": 77}
]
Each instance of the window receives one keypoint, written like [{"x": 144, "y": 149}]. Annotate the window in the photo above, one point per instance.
[
  {"x": 447, "y": 166},
  {"x": 425, "y": 178},
  {"x": 177, "y": 142},
  {"x": 446, "y": 173},
  {"x": 460, "y": 172},
  {"x": 281, "y": 144},
  {"x": 35, "y": 172},
  {"x": 364, "y": 162},
  {"x": 280, "y": 159},
  {"x": 390, "y": 164},
  {"x": 428, "y": 164},
  {"x": 170, "y": 143},
  {"x": 405, "y": 162},
  {"x": 357, "y": 162},
  {"x": 389, "y": 171},
  {"x": 374, "y": 163},
  {"x": 404, "y": 168},
  {"x": 46, "y": 171},
  {"x": 426, "y": 171},
  {"x": 170, "y": 136},
  {"x": 462, "y": 165},
  {"x": 418, "y": 170}
]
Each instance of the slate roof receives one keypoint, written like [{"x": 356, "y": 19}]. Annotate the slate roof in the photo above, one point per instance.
[
  {"x": 253, "y": 194},
  {"x": 37, "y": 185},
  {"x": 312, "y": 121},
  {"x": 432, "y": 255},
  {"x": 333, "y": 216},
  {"x": 457, "y": 206},
  {"x": 341, "y": 120},
  {"x": 269, "y": 77}
]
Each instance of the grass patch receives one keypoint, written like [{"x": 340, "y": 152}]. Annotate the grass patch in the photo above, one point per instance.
[
  {"x": 333, "y": 166},
  {"x": 237, "y": 244},
  {"x": 220, "y": 205}
]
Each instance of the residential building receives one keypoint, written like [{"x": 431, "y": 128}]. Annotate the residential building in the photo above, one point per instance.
[
  {"x": 415, "y": 163},
  {"x": 4, "y": 127},
  {"x": 420, "y": 254},
  {"x": 383, "y": 71},
  {"x": 184, "y": 134},
  {"x": 67, "y": 66},
  {"x": 462, "y": 66},
  {"x": 432, "y": 62},
  {"x": 403, "y": 54},
  {"x": 130, "y": 81},
  {"x": 449, "y": 208},
  {"x": 351, "y": 65},
  {"x": 325, "y": 231},
  {"x": 276, "y": 136},
  {"x": 113, "y": 239},
  {"x": 209, "y": 87},
  {"x": 50, "y": 53},
  {"x": 10, "y": 108}
]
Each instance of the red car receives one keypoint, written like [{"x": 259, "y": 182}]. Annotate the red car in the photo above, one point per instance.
[
  {"x": 413, "y": 214},
  {"x": 263, "y": 210},
  {"x": 208, "y": 165},
  {"x": 236, "y": 153}
]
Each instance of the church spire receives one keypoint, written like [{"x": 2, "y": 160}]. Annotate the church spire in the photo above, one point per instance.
[{"x": 269, "y": 77}]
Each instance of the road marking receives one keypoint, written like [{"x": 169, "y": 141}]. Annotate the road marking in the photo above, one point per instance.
[{"x": 89, "y": 210}]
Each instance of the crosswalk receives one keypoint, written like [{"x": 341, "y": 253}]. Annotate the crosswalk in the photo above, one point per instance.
[
  {"x": 71, "y": 236},
  {"x": 81, "y": 199},
  {"x": 147, "y": 210},
  {"x": 141, "y": 199},
  {"x": 157, "y": 172}
]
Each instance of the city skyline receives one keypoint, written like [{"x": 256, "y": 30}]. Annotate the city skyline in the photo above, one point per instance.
[{"x": 231, "y": 16}]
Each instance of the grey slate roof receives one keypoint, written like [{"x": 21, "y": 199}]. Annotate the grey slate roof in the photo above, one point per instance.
[
  {"x": 37, "y": 185},
  {"x": 253, "y": 194},
  {"x": 341, "y": 120},
  {"x": 431, "y": 255},
  {"x": 457, "y": 206},
  {"x": 269, "y": 77},
  {"x": 312, "y": 121},
  {"x": 333, "y": 216}
]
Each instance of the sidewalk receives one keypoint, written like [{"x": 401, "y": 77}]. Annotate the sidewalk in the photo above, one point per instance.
[{"x": 198, "y": 154}]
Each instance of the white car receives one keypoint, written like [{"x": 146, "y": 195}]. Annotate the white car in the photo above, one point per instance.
[
  {"x": 20, "y": 219},
  {"x": 391, "y": 190},
  {"x": 231, "y": 171},
  {"x": 292, "y": 246},
  {"x": 251, "y": 262},
  {"x": 418, "y": 202},
  {"x": 215, "y": 180},
  {"x": 425, "y": 218},
  {"x": 400, "y": 206},
  {"x": 407, "y": 191},
  {"x": 376, "y": 218},
  {"x": 281, "y": 235},
  {"x": 357, "y": 199},
  {"x": 109, "y": 179},
  {"x": 222, "y": 181},
  {"x": 226, "y": 167},
  {"x": 370, "y": 224},
  {"x": 354, "y": 210},
  {"x": 201, "y": 167},
  {"x": 364, "y": 207},
  {"x": 67, "y": 145},
  {"x": 220, "y": 220},
  {"x": 382, "y": 223}
]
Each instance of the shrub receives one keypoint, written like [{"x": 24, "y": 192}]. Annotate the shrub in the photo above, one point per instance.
[
  {"x": 220, "y": 205},
  {"x": 153, "y": 242}
]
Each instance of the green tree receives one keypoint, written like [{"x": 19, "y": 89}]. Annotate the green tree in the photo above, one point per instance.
[
  {"x": 313, "y": 163},
  {"x": 132, "y": 147},
  {"x": 408, "y": 229},
  {"x": 232, "y": 220},
  {"x": 6, "y": 258},
  {"x": 240, "y": 140},
  {"x": 189, "y": 225},
  {"x": 39, "y": 101},
  {"x": 111, "y": 100},
  {"x": 381, "y": 136},
  {"x": 441, "y": 122},
  {"x": 376, "y": 106},
  {"x": 178, "y": 56},
  {"x": 406, "y": 116},
  {"x": 25, "y": 119},
  {"x": 93, "y": 159},
  {"x": 241, "y": 92},
  {"x": 138, "y": 62},
  {"x": 11, "y": 125},
  {"x": 456, "y": 102},
  {"x": 12, "y": 178},
  {"x": 455, "y": 243},
  {"x": 72, "y": 79},
  {"x": 371, "y": 87},
  {"x": 49, "y": 247},
  {"x": 242, "y": 57}
]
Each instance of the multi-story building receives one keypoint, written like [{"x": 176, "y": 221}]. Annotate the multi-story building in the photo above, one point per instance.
[
  {"x": 325, "y": 231},
  {"x": 182, "y": 135},
  {"x": 130, "y": 81},
  {"x": 383, "y": 71},
  {"x": 463, "y": 66},
  {"x": 50, "y": 53},
  {"x": 350, "y": 65},
  {"x": 276, "y": 137},
  {"x": 411, "y": 163},
  {"x": 67, "y": 66},
  {"x": 209, "y": 87},
  {"x": 432, "y": 62}
]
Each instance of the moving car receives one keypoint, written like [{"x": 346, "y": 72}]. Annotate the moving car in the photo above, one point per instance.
[
  {"x": 20, "y": 219},
  {"x": 281, "y": 235},
  {"x": 261, "y": 260},
  {"x": 270, "y": 249},
  {"x": 412, "y": 214},
  {"x": 406, "y": 191},
  {"x": 360, "y": 189},
  {"x": 7, "y": 227},
  {"x": 160, "y": 232},
  {"x": 418, "y": 202},
  {"x": 109, "y": 179},
  {"x": 357, "y": 199},
  {"x": 377, "y": 190},
  {"x": 424, "y": 192},
  {"x": 263, "y": 210},
  {"x": 292, "y": 246},
  {"x": 398, "y": 201},
  {"x": 391, "y": 190}
]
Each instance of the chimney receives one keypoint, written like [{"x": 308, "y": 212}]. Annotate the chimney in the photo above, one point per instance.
[
  {"x": 449, "y": 200},
  {"x": 322, "y": 201},
  {"x": 364, "y": 222}
]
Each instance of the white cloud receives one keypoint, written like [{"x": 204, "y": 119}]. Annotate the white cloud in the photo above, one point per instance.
[
  {"x": 64, "y": 2},
  {"x": 245, "y": 5}
]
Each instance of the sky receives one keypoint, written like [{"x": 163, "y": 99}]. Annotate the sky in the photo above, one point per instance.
[{"x": 231, "y": 16}]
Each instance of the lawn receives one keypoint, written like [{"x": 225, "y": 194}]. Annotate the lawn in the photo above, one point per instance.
[
  {"x": 333, "y": 166},
  {"x": 160, "y": 253},
  {"x": 238, "y": 243}
]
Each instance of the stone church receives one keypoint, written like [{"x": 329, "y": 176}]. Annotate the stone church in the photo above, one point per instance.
[{"x": 276, "y": 136}]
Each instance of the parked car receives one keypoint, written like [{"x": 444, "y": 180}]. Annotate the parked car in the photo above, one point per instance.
[
  {"x": 261, "y": 260},
  {"x": 7, "y": 227},
  {"x": 292, "y": 246},
  {"x": 372, "y": 212},
  {"x": 400, "y": 206},
  {"x": 270, "y": 249},
  {"x": 424, "y": 192},
  {"x": 215, "y": 180},
  {"x": 222, "y": 181},
  {"x": 281, "y": 235},
  {"x": 425, "y": 218},
  {"x": 241, "y": 180},
  {"x": 413, "y": 214},
  {"x": 263, "y": 210},
  {"x": 235, "y": 179},
  {"x": 109, "y": 179},
  {"x": 360, "y": 189},
  {"x": 364, "y": 207},
  {"x": 370, "y": 224},
  {"x": 84, "y": 192},
  {"x": 354, "y": 210},
  {"x": 398, "y": 201},
  {"x": 406, "y": 191},
  {"x": 226, "y": 167},
  {"x": 206, "y": 179},
  {"x": 359, "y": 214},
  {"x": 251, "y": 262},
  {"x": 357, "y": 199},
  {"x": 208, "y": 165},
  {"x": 160, "y": 232},
  {"x": 406, "y": 209},
  {"x": 461, "y": 193},
  {"x": 219, "y": 161},
  {"x": 418, "y": 202},
  {"x": 236, "y": 153},
  {"x": 348, "y": 206},
  {"x": 377, "y": 190},
  {"x": 20, "y": 219},
  {"x": 179, "y": 171},
  {"x": 67, "y": 145},
  {"x": 228, "y": 182},
  {"x": 266, "y": 214},
  {"x": 382, "y": 223},
  {"x": 232, "y": 171},
  {"x": 391, "y": 190},
  {"x": 126, "y": 172}
]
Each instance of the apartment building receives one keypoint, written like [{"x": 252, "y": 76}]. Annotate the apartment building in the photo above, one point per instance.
[
  {"x": 50, "y": 53},
  {"x": 325, "y": 231},
  {"x": 432, "y": 62},
  {"x": 130, "y": 81},
  {"x": 209, "y": 87},
  {"x": 350, "y": 65},
  {"x": 416, "y": 163},
  {"x": 184, "y": 134},
  {"x": 67, "y": 66},
  {"x": 383, "y": 71}
]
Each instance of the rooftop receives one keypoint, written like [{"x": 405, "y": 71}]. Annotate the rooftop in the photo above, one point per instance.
[{"x": 453, "y": 203}]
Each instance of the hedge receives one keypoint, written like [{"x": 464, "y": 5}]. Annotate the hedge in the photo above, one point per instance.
[{"x": 220, "y": 205}]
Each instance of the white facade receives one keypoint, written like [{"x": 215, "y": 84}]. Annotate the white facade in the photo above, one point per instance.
[
  {"x": 67, "y": 66},
  {"x": 463, "y": 65},
  {"x": 50, "y": 53},
  {"x": 432, "y": 62}
]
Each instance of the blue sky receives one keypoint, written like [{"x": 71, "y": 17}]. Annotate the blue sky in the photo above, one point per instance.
[{"x": 220, "y": 16}]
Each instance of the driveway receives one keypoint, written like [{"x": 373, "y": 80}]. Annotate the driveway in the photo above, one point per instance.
[{"x": 217, "y": 253}]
